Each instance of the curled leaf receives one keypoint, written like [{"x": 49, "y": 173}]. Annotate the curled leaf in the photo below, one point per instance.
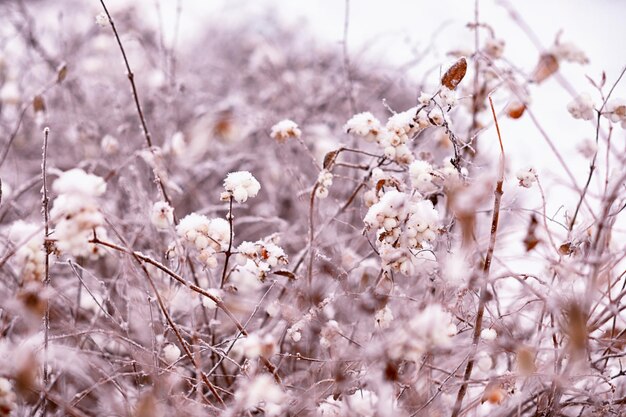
[
  {"x": 547, "y": 65},
  {"x": 455, "y": 74},
  {"x": 329, "y": 159},
  {"x": 567, "y": 248}
]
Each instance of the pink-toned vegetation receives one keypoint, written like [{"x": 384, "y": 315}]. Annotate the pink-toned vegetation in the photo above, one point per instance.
[{"x": 259, "y": 224}]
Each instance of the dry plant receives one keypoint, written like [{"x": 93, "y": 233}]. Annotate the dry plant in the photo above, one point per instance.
[{"x": 226, "y": 228}]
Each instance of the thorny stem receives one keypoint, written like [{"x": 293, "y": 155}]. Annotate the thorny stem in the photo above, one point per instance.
[
  {"x": 46, "y": 248},
  {"x": 486, "y": 268}
]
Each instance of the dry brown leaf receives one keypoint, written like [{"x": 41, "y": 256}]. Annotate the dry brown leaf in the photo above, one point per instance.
[
  {"x": 547, "y": 65},
  {"x": 455, "y": 74},
  {"x": 61, "y": 73},
  {"x": 577, "y": 328},
  {"x": 329, "y": 159},
  {"x": 515, "y": 109},
  {"x": 526, "y": 361},
  {"x": 39, "y": 104},
  {"x": 531, "y": 240}
]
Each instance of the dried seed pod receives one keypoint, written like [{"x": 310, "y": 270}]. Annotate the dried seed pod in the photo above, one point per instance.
[
  {"x": 577, "y": 328},
  {"x": 494, "y": 394},
  {"x": 526, "y": 360},
  {"x": 547, "y": 65},
  {"x": 515, "y": 109},
  {"x": 39, "y": 104},
  {"x": 455, "y": 74},
  {"x": 61, "y": 72}
]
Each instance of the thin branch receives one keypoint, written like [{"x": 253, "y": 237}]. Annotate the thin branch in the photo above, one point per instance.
[
  {"x": 46, "y": 248},
  {"x": 131, "y": 79},
  {"x": 486, "y": 268}
]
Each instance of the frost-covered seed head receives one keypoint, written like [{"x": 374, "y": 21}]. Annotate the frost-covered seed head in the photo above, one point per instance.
[
  {"x": 162, "y": 215},
  {"x": 581, "y": 107},
  {"x": 171, "y": 353},
  {"x": 78, "y": 182},
  {"x": 102, "y": 20},
  {"x": 615, "y": 111},
  {"x": 241, "y": 185},
  {"x": 284, "y": 130},
  {"x": 527, "y": 177},
  {"x": 321, "y": 192},
  {"x": 384, "y": 317},
  {"x": 365, "y": 125},
  {"x": 488, "y": 334},
  {"x": 448, "y": 97},
  {"x": 109, "y": 145},
  {"x": 494, "y": 47},
  {"x": 569, "y": 52}
]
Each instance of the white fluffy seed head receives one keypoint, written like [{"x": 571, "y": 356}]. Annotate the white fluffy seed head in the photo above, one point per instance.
[
  {"x": 109, "y": 145},
  {"x": 171, "y": 353},
  {"x": 241, "y": 185},
  {"x": 102, "y": 20},
  {"x": 365, "y": 125},
  {"x": 162, "y": 215},
  {"x": 78, "y": 182},
  {"x": 527, "y": 177},
  {"x": 488, "y": 334}
]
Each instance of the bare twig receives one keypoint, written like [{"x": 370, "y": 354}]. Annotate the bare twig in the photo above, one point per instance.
[
  {"x": 486, "y": 268},
  {"x": 46, "y": 248},
  {"x": 131, "y": 79}
]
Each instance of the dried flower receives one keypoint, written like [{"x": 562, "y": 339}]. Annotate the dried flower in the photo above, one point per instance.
[
  {"x": 162, "y": 215},
  {"x": 241, "y": 185},
  {"x": 171, "y": 353},
  {"x": 284, "y": 130},
  {"x": 527, "y": 177},
  {"x": 581, "y": 107}
]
